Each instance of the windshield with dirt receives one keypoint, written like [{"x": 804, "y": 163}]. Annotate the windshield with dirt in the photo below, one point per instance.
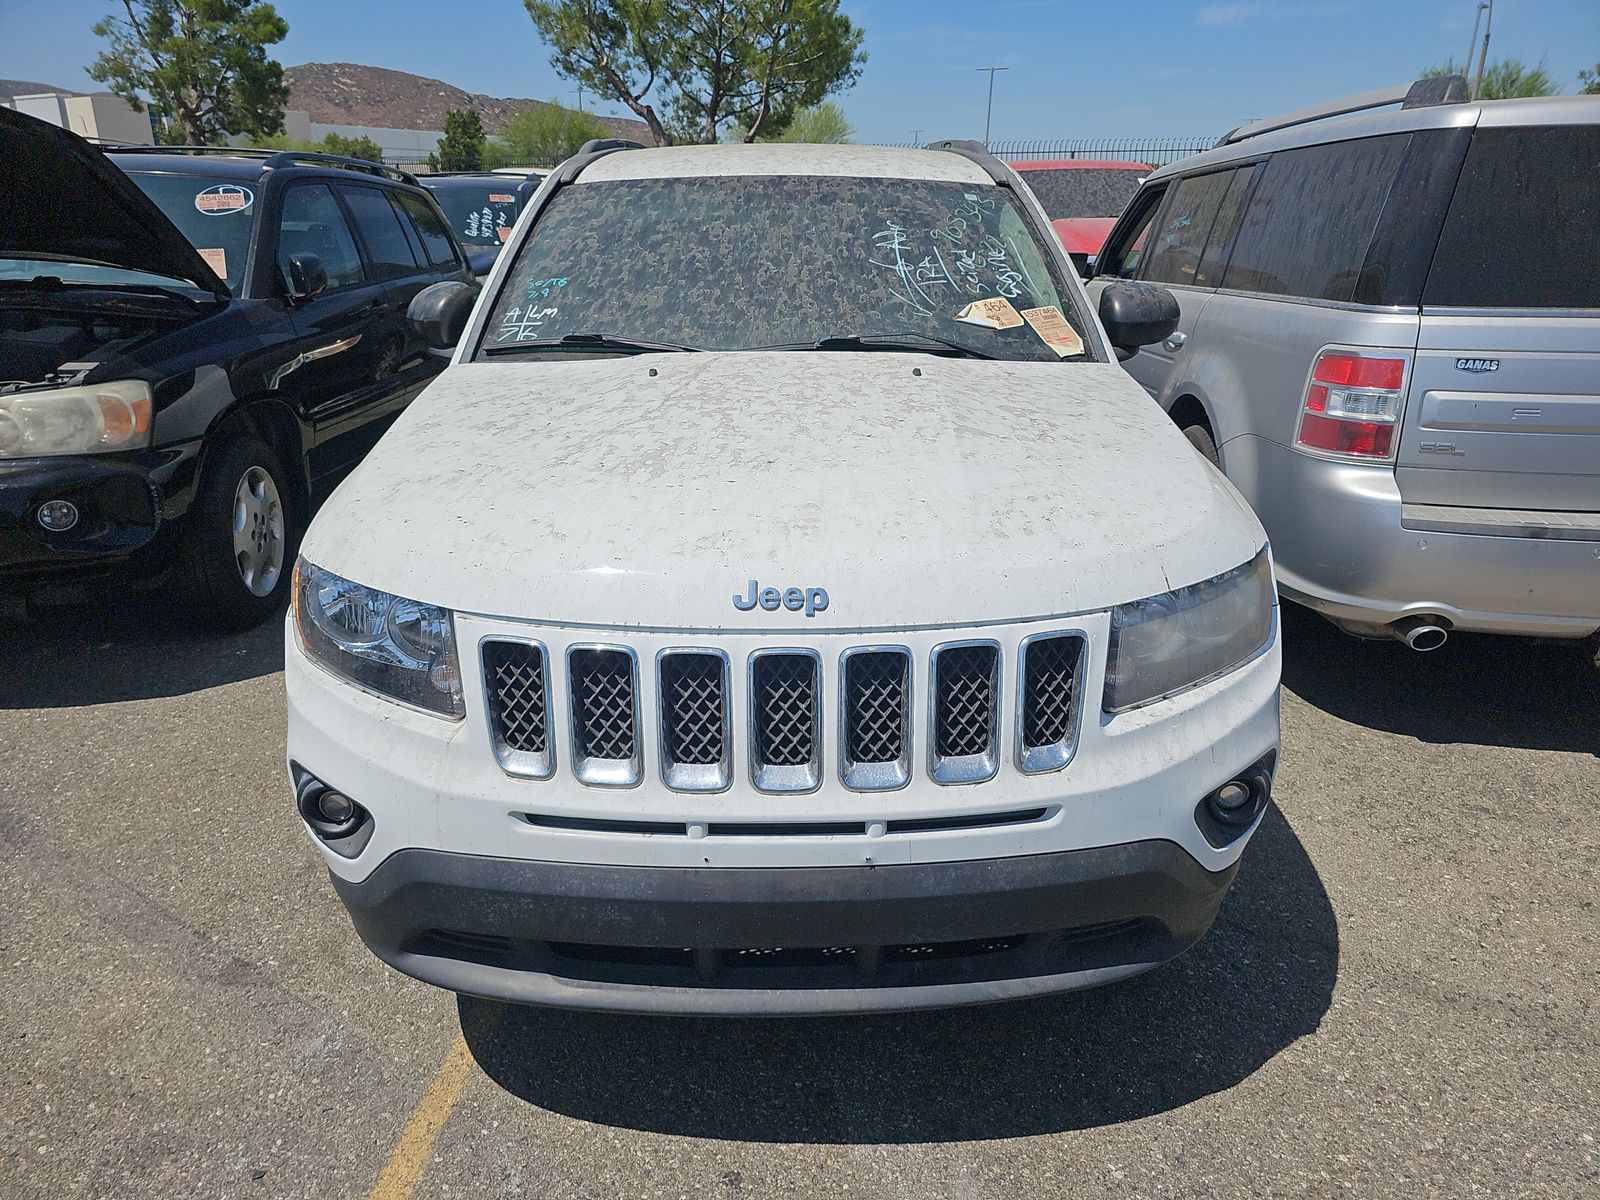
[{"x": 741, "y": 263}]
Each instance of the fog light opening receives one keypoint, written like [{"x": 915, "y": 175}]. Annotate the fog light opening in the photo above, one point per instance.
[
  {"x": 1225, "y": 813},
  {"x": 336, "y": 819},
  {"x": 58, "y": 516}
]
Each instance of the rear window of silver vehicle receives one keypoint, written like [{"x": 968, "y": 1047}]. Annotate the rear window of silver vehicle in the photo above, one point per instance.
[
  {"x": 738, "y": 263},
  {"x": 1524, "y": 224}
]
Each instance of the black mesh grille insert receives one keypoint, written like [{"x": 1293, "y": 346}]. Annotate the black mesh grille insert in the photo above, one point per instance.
[
  {"x": 1049, "y": 690},
  {"x": 965, "y": 701},
  {"x": 515, "y": 674},
  {"x": 784, "y": 696},
  {"x": 602, "y": 704},
  {"x": 875, "y": 690},
  {"x": 692, "y": 707}
]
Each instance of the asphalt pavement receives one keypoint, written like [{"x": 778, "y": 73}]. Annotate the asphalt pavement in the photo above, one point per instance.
[{"x": 1401, "y": 996}]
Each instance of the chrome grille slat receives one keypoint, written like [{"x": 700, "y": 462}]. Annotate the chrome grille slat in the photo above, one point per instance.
[
  {"x": 785, "y": 720},
  {"x": 875, "y": 717},
  {"x": 965, "y": 712},
  {"x": 696, "y": 742},
  {"x": 603, "y": 682},
  {"x": 517, "y": 685},
  {"x": 1048, "y": 700}
]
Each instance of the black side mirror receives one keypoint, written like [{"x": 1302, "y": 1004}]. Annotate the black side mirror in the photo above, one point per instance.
[
  {"x": 1137, "y": 314},
  {"x": 307, "y": 277},
  {"x": 438, "y": 313}
]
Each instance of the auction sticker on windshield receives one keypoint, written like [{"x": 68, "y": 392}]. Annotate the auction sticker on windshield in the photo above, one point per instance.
[{"x": 224, "y": 198}]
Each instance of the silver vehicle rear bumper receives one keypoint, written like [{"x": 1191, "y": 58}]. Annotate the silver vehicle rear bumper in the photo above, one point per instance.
[{"x": 1346, "y": 545}]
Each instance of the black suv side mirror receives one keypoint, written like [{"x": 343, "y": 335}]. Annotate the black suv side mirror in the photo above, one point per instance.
[
  {"x": 1137, "y": 314},
  {"x": 307, "y": 277},
  {"x": 438, "y": 313}
]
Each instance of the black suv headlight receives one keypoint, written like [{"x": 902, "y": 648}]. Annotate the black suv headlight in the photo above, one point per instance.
[
  {"x": 1166, "y": 644},
  {"x": 397, "y": 648}
]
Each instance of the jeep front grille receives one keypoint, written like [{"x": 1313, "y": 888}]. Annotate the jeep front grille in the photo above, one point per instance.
[
  {"x": 696, "y": 742},
  {"x": 517, "y": 681},
  {"x": 965, "y": 680},
  {"x": 604, "y": 685},
  {"x": 875, "y": 729},
  {"x": 691, "y": 700},
  {"x": 1051, "y": 667},
  {"x": 785, "y": 720}
]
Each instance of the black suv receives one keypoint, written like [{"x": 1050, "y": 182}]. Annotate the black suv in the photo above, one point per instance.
[
  {"x": 191, "y": 348},
  {"x": 482, "y": 207}
]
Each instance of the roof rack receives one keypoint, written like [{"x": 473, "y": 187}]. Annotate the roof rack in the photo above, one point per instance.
[
  {"x": 977, "y": 152},
  {"x": 276, "y": 159},
  {"x": 1424, "y": 93},
  {"x": 592, "y": 149}
]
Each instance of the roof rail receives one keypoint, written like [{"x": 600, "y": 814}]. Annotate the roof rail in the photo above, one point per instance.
[
  {"x": 592, "y": 149},
  {"x": 275, "y": 159},
  {"x": 1439, "y": 89},
  {"x": 978, "y": 153}
]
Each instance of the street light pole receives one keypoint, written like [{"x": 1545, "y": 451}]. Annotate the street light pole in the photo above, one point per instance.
[
  {"x": 1483, "y": 55},
  {"x": 1472, "y": 46},
  {"x": 989, "y": 112}
]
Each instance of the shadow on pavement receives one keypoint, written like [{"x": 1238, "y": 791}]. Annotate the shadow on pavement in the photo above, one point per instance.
[
  {"x": 126, "y": 651},
  {"x": 1493, "y": 691},
  {"x": 1261, "y": 978}
]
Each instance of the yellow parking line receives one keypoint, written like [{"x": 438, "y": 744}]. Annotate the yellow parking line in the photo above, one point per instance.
[{"x": 409, "y": 1158}]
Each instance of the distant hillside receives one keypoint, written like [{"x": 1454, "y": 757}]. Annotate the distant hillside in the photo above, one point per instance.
[
  {"x": 351, "y": 94},
  {"x": 27, "y": 87}
]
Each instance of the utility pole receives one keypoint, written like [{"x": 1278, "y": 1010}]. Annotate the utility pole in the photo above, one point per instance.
[
  {"x": 989, "y": 112},
  {"x": 1483, "y": 55},
  {"x": 916, "y": 137},
  {"x": 580, "y": 86},
  {"x": 1472, "y": 46}
]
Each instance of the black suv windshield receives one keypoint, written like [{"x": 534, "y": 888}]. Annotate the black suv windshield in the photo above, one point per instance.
[
  {"x": 480, "y": 214},
  {"x": 216, "y": 215},
  {"x": 740, "y": 263}
]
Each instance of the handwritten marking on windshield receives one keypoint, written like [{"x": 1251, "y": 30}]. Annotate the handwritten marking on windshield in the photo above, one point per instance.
[{"x": 523, "y": 324}]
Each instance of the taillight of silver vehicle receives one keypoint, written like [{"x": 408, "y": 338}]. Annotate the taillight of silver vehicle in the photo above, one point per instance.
[{"x": 1352, "y": 405}]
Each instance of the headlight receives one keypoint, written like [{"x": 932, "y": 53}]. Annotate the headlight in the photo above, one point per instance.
[
  {"x": 75, "y": 420},
  {"x": 1175, "y": 641},
  {"x": 395, "y": 647}
]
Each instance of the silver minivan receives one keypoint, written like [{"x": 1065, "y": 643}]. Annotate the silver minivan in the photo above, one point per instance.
[{"x": 1390, "y": 342}]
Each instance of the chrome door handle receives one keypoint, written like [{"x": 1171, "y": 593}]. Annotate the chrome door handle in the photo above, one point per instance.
[{"x": 1176, "y": 341}]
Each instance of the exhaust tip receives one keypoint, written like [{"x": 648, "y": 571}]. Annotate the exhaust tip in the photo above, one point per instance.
[{"x": 1421, "y": 634}]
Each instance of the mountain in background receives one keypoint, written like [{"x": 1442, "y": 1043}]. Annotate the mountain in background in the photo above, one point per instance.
[
  {"x": 27, "y": 87},
  {"x": 352, "y": 94}
]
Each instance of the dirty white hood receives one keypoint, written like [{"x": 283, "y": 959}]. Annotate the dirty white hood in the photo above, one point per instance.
[{"x": 649, "y": 490}]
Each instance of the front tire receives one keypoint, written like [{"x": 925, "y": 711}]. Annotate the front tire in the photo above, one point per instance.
[
  {"x": 238, "y": 559},
  {"x": 1200, "y": 438}
]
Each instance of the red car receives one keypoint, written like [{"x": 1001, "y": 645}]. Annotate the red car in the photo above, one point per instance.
[{"x": 1082, "y": 197}]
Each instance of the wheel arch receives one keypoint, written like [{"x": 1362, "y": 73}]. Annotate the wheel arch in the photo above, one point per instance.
[{"x": 275, "y": 424}]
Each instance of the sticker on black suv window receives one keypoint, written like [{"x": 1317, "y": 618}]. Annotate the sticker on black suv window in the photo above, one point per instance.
[{"x": 224, "y": 198}]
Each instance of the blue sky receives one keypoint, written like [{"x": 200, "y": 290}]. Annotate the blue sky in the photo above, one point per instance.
[{"x": 1074, "y": 69}]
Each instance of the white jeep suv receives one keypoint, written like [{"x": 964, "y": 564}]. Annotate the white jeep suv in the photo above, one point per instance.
[{"x": 784, "y": 602}]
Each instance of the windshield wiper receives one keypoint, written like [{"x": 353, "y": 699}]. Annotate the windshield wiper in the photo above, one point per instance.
[
  {"x": 906, "y": 340},
  {"x": 596, "y": 341}
]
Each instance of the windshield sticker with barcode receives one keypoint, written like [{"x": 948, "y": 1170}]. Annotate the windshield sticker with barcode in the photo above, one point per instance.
[{"x": 224, "y": 198}]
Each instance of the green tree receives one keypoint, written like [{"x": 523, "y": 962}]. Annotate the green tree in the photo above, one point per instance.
[
  {"x": 1507, "y": 79},
  {"x": 543, "y": 136},
  {"x": 461, "y": 148},
  {"x": 821, "y": 123},
  {"x": 707, "y": 63},
  {"x": 331, "y": 143},
  {"x": 201, "y": 63},
  {"x": 352, "y": 147},
  {"x": 1589, "y": 81}
]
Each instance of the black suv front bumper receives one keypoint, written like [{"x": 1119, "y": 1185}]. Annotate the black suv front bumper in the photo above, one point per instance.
[
  {"x": 122, "y": 504},
  {"x": 743, "y": 941}
]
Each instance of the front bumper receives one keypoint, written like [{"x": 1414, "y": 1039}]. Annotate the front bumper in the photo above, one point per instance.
[
  {"x": 853, "y": 939},
  {"x": 524, "y": 888},
  {"x": 123, "y": 502},
  {"x": 1345, "y": 545}
]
